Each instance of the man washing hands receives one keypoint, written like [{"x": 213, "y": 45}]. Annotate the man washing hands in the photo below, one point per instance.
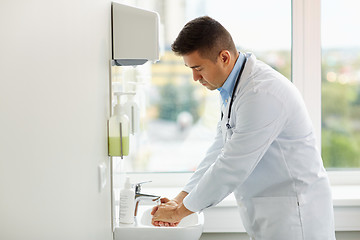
[
  {"x": 170, "y": 212},
  {"x": 264, "y": 150}
]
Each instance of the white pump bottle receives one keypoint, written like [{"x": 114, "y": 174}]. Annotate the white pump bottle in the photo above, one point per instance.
[{"x": 127, "y": 203}]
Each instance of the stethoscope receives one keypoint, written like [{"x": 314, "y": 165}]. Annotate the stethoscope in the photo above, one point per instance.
[{"x": 233, "y": 93}]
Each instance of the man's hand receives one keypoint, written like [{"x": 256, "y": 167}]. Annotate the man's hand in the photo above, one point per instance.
[
  {"x": 164, "y": 201},
  {"x": 175, "y": 205},
  {"x": 169, "y": 213}
]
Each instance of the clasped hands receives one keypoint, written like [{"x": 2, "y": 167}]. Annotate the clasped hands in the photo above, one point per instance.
[
  {"x": 164, "y": 215},
  {"x": 169, "y": 213}
]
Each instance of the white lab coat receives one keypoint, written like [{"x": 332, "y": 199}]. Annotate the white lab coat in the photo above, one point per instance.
[{"x": 269, "y": 160}]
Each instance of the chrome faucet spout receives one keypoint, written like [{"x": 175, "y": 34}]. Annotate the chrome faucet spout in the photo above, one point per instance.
[{"x": 141, "y": 196}]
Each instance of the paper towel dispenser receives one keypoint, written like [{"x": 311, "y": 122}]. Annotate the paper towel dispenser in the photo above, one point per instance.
[{"x": 135, "y": 35}]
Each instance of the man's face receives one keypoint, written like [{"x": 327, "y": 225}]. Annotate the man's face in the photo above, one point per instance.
[{"x": 210, "y": 74}]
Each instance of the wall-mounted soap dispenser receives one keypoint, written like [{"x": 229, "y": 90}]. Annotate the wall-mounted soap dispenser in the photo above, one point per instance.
[
  {"x": 132, "y": 111},
  {"x": 119, "y": 127},
  {"x": 135, "y": 35}
]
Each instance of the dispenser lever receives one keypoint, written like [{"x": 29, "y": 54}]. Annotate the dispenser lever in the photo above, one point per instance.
[{"x": 121, "y": 143}]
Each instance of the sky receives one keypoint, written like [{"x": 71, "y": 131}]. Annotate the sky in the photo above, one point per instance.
[
  {"x": 264, "y": 24},
  {"x": 340, "y": 23}
]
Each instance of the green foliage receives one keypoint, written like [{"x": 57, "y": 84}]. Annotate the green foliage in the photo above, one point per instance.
[
  {"x": 168, "y": 106},
  {"x": 336, "y": 99},
  {"x": 340, "y": 150},
  {"x": 176, "y": 99},
  {"x": 340, "y": 125}
]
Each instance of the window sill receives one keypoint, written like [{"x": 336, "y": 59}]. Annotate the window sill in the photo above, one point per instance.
[{"x": 225, "y": 218}]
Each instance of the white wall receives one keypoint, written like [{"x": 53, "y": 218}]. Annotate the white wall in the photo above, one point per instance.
[{"x": 54, "y": 77}]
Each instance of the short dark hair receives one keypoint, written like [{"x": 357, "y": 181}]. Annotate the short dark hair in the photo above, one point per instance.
[{"x": 205, "y": 35}]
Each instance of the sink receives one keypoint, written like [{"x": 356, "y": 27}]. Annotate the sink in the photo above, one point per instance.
[{"x": 190, "y": 228}]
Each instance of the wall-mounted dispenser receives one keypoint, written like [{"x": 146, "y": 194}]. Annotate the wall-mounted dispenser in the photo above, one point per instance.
[
  {"x": 135, "y": 35},
  {"x": 119, "y": 127},
  {"x": 132, "y": 111}
]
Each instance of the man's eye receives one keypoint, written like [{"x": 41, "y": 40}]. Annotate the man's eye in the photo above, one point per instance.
[{"x": 198, "y": 69}]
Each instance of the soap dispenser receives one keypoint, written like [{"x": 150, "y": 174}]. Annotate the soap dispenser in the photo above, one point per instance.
[
  {"x": 127, "y": 203},
  {"x": 119, "y": 126},
  {"x": 132, "y": 111}
]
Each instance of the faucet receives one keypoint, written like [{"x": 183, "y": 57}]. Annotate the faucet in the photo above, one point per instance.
[{"x": 141, "y": 196}]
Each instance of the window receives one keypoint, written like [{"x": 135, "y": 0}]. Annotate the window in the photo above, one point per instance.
[
  {"x": 181, "y": 115},
  {"x": 340, "y": 83}
]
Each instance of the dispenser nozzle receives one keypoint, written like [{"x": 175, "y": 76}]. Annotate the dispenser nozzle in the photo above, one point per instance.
[{"x": 119, "y": 94}]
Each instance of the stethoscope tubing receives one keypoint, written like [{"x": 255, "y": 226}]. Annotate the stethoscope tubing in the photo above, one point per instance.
[{"x": 233, "y": 93}]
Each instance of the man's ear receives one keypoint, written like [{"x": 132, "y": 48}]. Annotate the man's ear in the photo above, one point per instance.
[{"x": 225, "y": 57}]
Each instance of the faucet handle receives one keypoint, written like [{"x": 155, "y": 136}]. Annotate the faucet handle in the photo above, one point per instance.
[{"x": 138, "y": 186}]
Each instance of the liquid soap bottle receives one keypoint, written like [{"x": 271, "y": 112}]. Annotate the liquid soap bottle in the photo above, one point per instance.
[
  {"x": 132, "y": 110},
  {"x": 127, "y": 203},
  {"x": 119, "y": 130}
]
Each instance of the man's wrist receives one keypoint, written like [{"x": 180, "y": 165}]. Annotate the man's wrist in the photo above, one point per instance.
[
  {"x": 182, "y": 211},
  {"x": 180, "y": 197}
]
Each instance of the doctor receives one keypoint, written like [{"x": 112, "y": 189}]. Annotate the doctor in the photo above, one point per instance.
[{"x": 264, "y": 150}]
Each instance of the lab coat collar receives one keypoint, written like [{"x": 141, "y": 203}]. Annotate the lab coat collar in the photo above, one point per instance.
[
  {"x": 248, "y": 69},
  {"x": 228, "y": 86}
]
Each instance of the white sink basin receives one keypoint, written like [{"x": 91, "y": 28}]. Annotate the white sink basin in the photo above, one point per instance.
[{"x": 190, "y": 228}]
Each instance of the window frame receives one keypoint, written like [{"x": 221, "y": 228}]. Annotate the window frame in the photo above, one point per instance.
[
  {"x": 306, "y": 75},
  {"x": 306, "y": 72},
  {"x": 306, "y": 57}
]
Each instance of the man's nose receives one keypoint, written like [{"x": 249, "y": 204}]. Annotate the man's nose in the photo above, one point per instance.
[{"x": 196, "y": 75}]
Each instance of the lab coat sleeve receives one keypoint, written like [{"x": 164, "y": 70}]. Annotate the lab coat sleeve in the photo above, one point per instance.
[
  {"x": 210, "y": 157},
  {"x": 260, "y": 118}
]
